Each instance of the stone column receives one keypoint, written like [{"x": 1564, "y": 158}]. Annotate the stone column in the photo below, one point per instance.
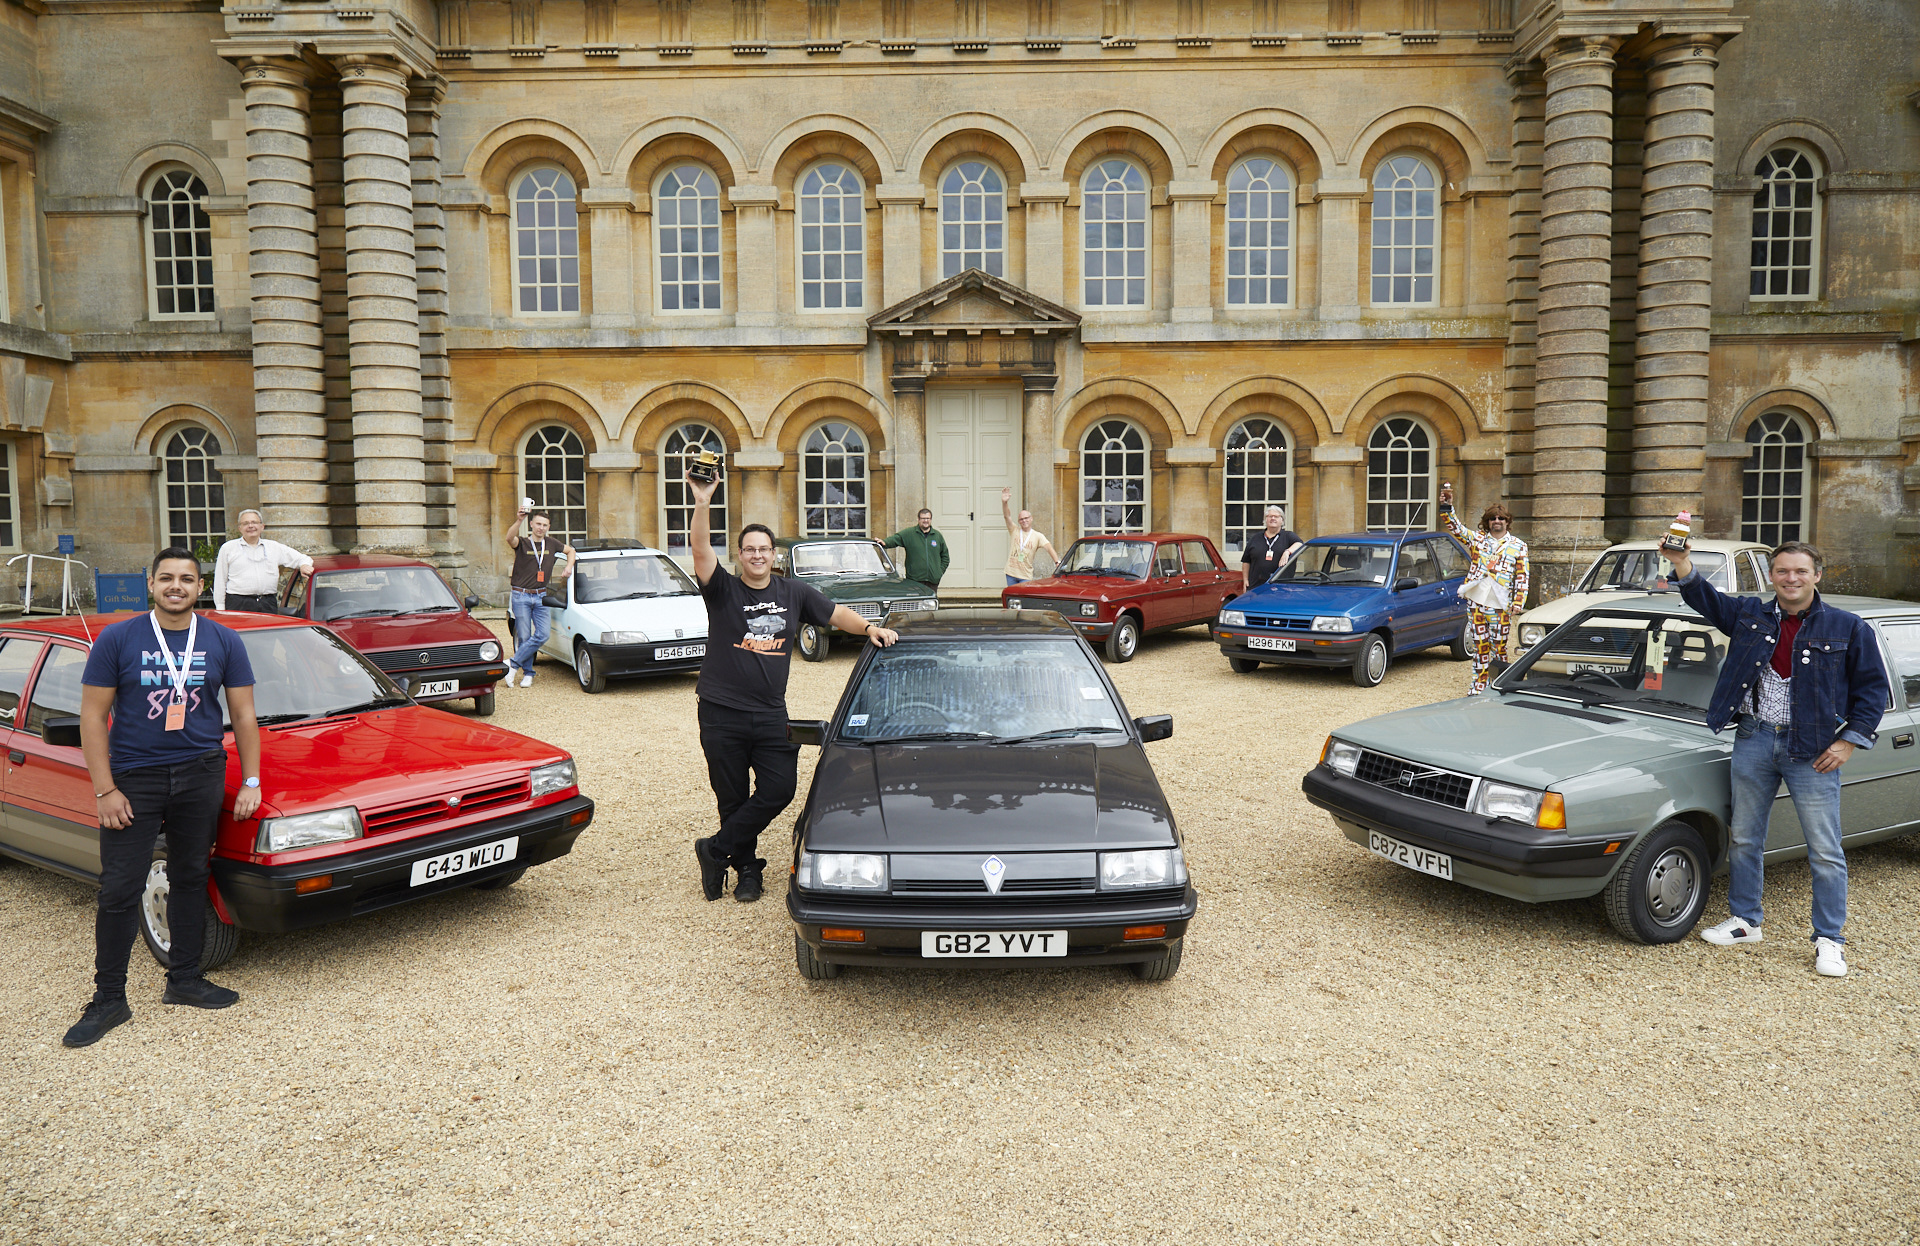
[
  {"x": 755, "y": 255},
  {"x": 1676, "y": 283},
  {"x": 1576, "y": 243},
  {"x": 283, "y": 266},
  {"x": 1036, "y": 452},
  {"x": 618, "y": 514},
  {"x": 1523, "y": 281},
  {"x": 1191, "y": 505},
  {"x": 1340, "y": 249},
  {"x": 757, "y": 472},
  {"x": 430, "y": 262},
  {"x": 1629, "y": 135},
  {"x": 1336, "y": 502},
  {"x": 1192, "y": 249},
  {"x": 610, "y": 220},
  {"x": 909, "y": 443},
  {"x": 901, "y": 204},
  {"x": 1045, "y": 205}
]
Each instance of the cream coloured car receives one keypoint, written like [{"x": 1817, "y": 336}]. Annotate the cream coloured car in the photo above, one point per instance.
[{"x": 1635, "y": 571}]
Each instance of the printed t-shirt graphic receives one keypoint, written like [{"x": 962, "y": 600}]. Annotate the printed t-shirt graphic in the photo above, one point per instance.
[
  {"x": 750, "y": 633},
  {"x": 126, "y": 657}
]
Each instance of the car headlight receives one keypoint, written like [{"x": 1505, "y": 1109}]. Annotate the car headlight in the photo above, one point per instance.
[
  {"x": 304, "y": 830},
  {"x": 1089, "y": 610},
  {"x": 1332, "y": 623},
  {"x": 555, "y": 778},
  {"x": 1152, "y": 867},
  {"x": 1013, "y": 603},
  {"x": 845, "y": 871},
  {"x": 1503, "y": 800},
  {"x": 623, "y": 638},
  {"x": 1530, "y": 634},
  {"x": 1342, "y": 756},
  {"x": 1233, "y": 618},
  {"x": 918, "y": 603},
  {"x": 490, "y": 651}
]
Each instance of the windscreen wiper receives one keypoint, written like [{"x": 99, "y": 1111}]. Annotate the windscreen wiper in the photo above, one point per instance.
[
  {"x": 1060, "y": 733},
  {"x": 378, "y": 703},
  {"x": 926, "y": 735},
  {"x": 363, "y": 614},
  {"x": 1625, "y": 702},
  {"x": 431, "y": 609},
  {"x": 269, "y": 720}
]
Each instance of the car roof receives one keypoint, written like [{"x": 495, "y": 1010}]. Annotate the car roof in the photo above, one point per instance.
[
  {"x": 1668, "y": 603},
  {"x": 1375, "y": 538},
  {"x": 355, "y": 562},
  {"x": 788, "y": 542},
  {"x": 980, "y": 621},
  {"x": 614, "y": 548},
  {"x": 1704, "y": 545},
  {"x": 1142, "y": 537},
  {"x": 86, "y": 627}
]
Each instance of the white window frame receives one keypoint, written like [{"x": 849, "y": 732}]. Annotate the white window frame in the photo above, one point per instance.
[
  {"x": 717, "y": 254},
  {"x": 1286, "y": 222},
  {"x": 539, "y": 491},
  {"x": 560, "y": 257},
  {"x": 1771, "y": 424},
  {"x": 993, "y": 259},
  {"x": 202, "y": 227},
  {"x": 808, "y": 454},
  {"x": 9, "y": 495},
  {"x": 1254, "y": 510},
  {"x": 1417, "y": 513},
  {"x": 1816, "y": 211},
  {"x": 800, "y": 227},
  {"x": 209, "y": 438},
  {"x": 1109, "y": 428},
  {"x": 673, "y": 467},
  {"x": 1145, "y": 249},
  {"x": 1390, "y": 165},
  {"x": 6, "y": 289}
]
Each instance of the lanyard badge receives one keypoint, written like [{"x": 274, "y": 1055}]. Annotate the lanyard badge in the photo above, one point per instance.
[
  {"x": 177, "y": 701},
  {"x": 539, "y": 561}
]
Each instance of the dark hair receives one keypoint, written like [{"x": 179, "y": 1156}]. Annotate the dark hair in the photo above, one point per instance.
[
  {"x": 923, "y": 511},
  {"x": 1496, "y": 511},
  {"x": 1798, "y": 547},
  {"x": 170, "y": 554},
  {"x": 753, "y": 527},
  {"x": 533, "y": 515}
]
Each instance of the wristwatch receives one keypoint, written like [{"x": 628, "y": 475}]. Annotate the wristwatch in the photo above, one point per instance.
[{"x": 253, "y": 782}]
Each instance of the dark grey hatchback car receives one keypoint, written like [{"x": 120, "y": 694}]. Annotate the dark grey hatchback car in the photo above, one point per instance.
[{"x": 982, "y": 796}]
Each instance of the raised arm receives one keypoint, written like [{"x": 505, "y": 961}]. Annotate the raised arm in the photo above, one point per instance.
[
  {"x": 1522, "y": 577},
  {"x": 1006, "y": 509},
  {"x": 513, "y": 533},
  {"x": 847, "y": 621},
  {"x": 1451, "y": 521},
  {"x": 700, "y": 529}
]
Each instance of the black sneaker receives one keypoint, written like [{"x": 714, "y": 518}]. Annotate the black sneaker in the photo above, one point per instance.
[
  {"x": 747, "y": 888},
  {"x": 199, "y": 993},
  {"x": 96, "y": 1019},
  {"x": 713, "y": 869}
]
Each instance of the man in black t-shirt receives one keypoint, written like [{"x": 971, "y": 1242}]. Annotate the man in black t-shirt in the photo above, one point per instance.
[
  {"x": 1267, "y": 550},
  {"x": 752, "y": 621}
]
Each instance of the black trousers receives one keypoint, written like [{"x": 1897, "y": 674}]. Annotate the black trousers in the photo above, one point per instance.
[
  {"x": 182, "y": 802},
  {"x": 736, "y": 742},
  {"x": 260, "y": 603}
]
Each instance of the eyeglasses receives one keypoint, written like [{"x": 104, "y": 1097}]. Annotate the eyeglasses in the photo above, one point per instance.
[{"x": 756, "y": 549}]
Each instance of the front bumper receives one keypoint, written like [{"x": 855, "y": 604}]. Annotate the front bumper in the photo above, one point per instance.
[
  {"x": 619, "y": 660},
  {"x": 474, "y": 680},
  {"x": 262, "y": 897},
  {"x": 1310, "y": 649}
]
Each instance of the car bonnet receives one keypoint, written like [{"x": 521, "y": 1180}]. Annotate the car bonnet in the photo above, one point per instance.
[
  {"x": 661, "y": 618},
  {"x": 1306, "y": 599}
]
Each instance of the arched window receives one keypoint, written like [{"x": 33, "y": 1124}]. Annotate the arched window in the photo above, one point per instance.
[
  {"x": 194, "y": 494},
  {"x": 1405, "y": 217},
  {"x": 833, "y": 472},
  {"x": 1259, "y": 233},
  {"x": 179, "y": 248},
  {"x": 1113, "y": 212},
  {"x": 973, "y": 220},
  {"x": 546, "y": 244},
  {"x": 1773, "y": 489},
  {"x": 553, "y": 472},
  {"x": 1113, "y": 478},
  {"x": 1786, "y": 226},
  {"x": 1259, "y": 475},
  {"x": 833, "y": 257},
  {"x": 686, "y": 213},
  {"x": 677, "y": 453},
  {"x": 1399, "y": 476}
]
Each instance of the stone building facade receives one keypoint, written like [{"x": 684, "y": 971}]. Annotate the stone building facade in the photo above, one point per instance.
[{"x": 384, "y": 268}]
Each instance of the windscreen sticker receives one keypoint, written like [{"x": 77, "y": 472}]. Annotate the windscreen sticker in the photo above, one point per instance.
[
  {"x": 856, "y": 720},
  {"x": 1089, "y": 694},
  {"x": 1379, "y": 579}
]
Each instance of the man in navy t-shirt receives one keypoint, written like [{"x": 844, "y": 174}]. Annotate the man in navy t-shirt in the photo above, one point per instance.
[{"x": 159, "y": 767}]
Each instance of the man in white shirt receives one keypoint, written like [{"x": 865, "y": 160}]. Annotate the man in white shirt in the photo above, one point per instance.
[
  {"x": 1023, "y": 541},
  {"x": 246, "y": 575}
]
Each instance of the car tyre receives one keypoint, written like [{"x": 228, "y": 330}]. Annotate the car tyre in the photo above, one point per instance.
[
  {"x": 500, "y": 882},
  {"x": 1161, "y": 967},
  {"x": 1243, "y": 666},
  {"x": 483, "y": 705},
  {"x": 813, "y": 642},
  {"x": 223, "y": 939},
  {"x": 1124, "y": 640},
  {"x": 1460, "y": 648},
  {"x": 1659, "y": 891},
  {"x": 1371, "y": 666},
  {"x": 587, "y": 671},
  {"x": 811, "y": 966}
]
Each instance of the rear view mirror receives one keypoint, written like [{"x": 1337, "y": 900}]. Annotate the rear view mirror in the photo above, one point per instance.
[
  {"x": 1404, "y": 583},
  {"x": 471, "y": 602},
  {"x": 1154, "y": 727},
  {"x": 63, "y": 731},
  {"x": 807, "y": 731}
]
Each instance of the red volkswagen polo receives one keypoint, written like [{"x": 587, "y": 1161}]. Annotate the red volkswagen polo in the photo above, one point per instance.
[{"x": 370, "y": 800}]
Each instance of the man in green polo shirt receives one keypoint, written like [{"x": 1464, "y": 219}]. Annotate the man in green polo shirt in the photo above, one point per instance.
[{"x": 927, "y": 555}]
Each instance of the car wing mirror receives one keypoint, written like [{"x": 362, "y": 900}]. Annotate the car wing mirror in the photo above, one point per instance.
[
  {"x": 807, "y": 731},
  {"x": 470, "y": 602},
  {"x": 1154, "y": 727},
  {"x": 553, "y": 603},
  {"x": 1404, "y": 583},
  {"x": 63, "y": 731}
]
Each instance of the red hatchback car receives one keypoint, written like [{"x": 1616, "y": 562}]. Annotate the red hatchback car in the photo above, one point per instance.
[
  {"x": 369, "y": 800},
  {"x": 400, "y": 613},
  {"x": 1118, "y": 588}
]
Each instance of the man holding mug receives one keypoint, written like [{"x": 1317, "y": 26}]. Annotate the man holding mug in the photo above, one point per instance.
[{"x": 539, "y": 563}]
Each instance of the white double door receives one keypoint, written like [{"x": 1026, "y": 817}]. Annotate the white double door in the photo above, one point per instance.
[{"x": 973, "y": 452}]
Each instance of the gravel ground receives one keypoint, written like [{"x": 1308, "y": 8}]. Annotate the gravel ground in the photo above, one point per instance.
[{"x": 1351, "y": 1052}]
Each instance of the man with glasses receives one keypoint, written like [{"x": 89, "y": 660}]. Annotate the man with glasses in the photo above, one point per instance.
[
  {"x": 246, "y": 574},
  {"x": 1267, "y": 550},
  {"x": 752, "y": 621}
]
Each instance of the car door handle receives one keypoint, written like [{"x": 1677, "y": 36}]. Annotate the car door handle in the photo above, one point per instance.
[
  {"x": 19, "y": 758},
  {"x": 1903, "y": 741}
]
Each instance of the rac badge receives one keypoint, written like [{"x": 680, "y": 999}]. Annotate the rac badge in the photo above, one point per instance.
[{"x": 994, "y": 870}]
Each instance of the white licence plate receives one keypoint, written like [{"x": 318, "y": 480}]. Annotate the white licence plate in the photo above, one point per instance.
[
  {"x": 1595, "y": 668},
  {"x": 666, "y": 652},
  {"x": 1281, "y": 644},
  {"x": 465, "y": 861},
  {"x": 993, "y": 943},
  {"x": 434, "y": 688},
  {"x": 1425, "y": 861}
]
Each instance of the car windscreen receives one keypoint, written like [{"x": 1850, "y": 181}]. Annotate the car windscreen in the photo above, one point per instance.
[
  {"x": 627, "y": 578},
  {"x": 840, "y": 558},
  {"x": 1132, "y": 559},
  {"x": 1664, "y": 663},
  {"x": 1645, "y": 571},
  {"x": 1338, "y": 562},
  {"x": 371, "y": 592},
  {"x": 308, "y": 672},
  {"x": 1005, "y": 688}
]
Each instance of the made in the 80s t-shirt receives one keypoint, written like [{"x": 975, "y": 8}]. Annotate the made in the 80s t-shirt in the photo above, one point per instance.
[
  {"x": 124, "y": 657},
  {"x": 750, "y": 637}
]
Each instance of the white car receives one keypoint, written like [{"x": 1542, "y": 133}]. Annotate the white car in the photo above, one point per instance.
[
  {"x": 628, "y": 609},
  {"x": 1635, "y": 570}
]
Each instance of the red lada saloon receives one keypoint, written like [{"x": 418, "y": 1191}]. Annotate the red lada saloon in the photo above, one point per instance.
[
  {"x": 369, "y": 800},
  {"x": 400, "y": 613},
  {"x": 1118, "y": 588}
]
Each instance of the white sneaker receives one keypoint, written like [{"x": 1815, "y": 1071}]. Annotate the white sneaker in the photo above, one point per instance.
[
  {"x": 1731, "y": 931},
  {"x": 1829, "y": 959},
  {"x": 527, "y": 681},
  {"x": 512, "y": 671}
]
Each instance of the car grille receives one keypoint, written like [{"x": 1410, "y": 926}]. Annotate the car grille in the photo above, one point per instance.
[
  {"x": 391, "y": 660},
  {"x": 422, "y": 812},
  {"x": 1442, "y": 787},
  {"x": 976, "y": 886},
  {"x": 1065, "y": 605},
  {"x": 1279, "y": 620},
  {"x": 1601, "y": 641},
  {"x": 960, "y": 896}
]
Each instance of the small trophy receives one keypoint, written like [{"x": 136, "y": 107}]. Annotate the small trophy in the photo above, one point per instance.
[
  {"x": 1678, "y": 533},
  {"x": 707, "y": 468}
]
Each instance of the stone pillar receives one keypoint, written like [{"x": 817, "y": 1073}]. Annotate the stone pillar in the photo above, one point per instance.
[
  {"x": 330, "y": 211},
  {"x": 757, "y": 472},
  {"x": 901, "y": 204},
  {"x": 1336, "y": 501},
  {"x": 430, "y": 262},
  {"x": 383, "y": 309},
  {"x": 756, "y": 254},
  {"x": 1576, "y": 242},
  {"x": 1629, "y": 134},
  {"x": 909, "y": 444},
  {"x": 283, "y": 266},
  {"x": 1045, "y": 205},
  {"x": 618, "y": 510},
  {"x": 1340, "y": 249},
  {"x": 1192, "y": 249},
  {"x": 1191, "y": 506},
  {"x": 1036, "y": 452},
  {"x": 610, "y": 220},
  {"x": 1676, "y": 283},
  {"x": 1523, "y": 282}
]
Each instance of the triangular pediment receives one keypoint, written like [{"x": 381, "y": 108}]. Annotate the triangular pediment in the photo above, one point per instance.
[{"x": 974, "y": 301}]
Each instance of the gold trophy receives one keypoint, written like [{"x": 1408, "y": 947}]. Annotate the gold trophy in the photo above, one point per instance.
[{"x": 707, "y": 468}]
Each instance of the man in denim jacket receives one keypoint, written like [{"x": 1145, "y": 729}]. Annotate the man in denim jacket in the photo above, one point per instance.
[{"x": 1806, "y": 684}]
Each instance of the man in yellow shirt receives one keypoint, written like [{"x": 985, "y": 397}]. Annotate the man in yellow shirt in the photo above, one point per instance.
[{"x": 1023, "y": 541}]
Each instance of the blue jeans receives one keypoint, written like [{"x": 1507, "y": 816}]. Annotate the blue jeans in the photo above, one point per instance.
[
  {"x": 1760, "y": 763},
  {"x": 1013, "y": 580},
  {"x": 529, "y": 626}
]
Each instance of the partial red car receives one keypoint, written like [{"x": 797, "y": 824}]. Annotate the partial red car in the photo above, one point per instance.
[
  {"x": 1115, "y": 589},
  {"x": 400, "y": 613},
  {"x": 369, "y": 800}
]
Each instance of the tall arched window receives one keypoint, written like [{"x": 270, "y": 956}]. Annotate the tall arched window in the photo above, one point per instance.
[
  {"x": 179, "y": 248},
  {"x": 546, "y": 243},
  {"x": 1399, "y": 476},
  {"x": 1259, "y": 474},
  {"x": 1773, "y": 489},
  {"x": 1113, "y": 478},
  {"x": 1405, "y": 220},
  {"x": 1113, "y": 213},
  {"x": 1786, "y": 226},
  {"x": 194, "y": 494},
  {"x": 833, "y": 257},
  {"x": 973, "y": 220},
  {"x": 833, "y": 474},
  {"x": 553, "y": 472},
  {"x": 686, "y": 213},
  {"x": 677, "y": 453},
  {"x": 1259, "y": 233}
]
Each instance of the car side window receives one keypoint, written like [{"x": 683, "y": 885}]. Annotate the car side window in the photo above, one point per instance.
[
  {"x": 56, "y": 693},
  {"x": 1416, "y": 560},
  {"x": 1749, "y": 581},
  {"x": 17, "y": 657},
  {"x": 1166, "y": 559},
  {"x": 1762, "y": 568},
  {"x": 1196, "y": 556},
  {"x": 1453, "y": 559},
  {"x": 1903, "y": 642},
  {"x": 296, "y": 602}
]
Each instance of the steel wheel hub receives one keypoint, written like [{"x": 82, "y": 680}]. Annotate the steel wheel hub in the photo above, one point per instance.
[{"x": 1672, "y": 884}]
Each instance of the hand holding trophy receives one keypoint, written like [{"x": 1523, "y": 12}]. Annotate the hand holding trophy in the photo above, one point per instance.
[
  {"x": 1446, "y": 493},
  {"x": 1677, "y": 544}
]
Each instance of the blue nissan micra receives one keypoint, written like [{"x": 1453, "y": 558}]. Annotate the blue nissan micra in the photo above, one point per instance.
[{"x": 1354, "y": 601}]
